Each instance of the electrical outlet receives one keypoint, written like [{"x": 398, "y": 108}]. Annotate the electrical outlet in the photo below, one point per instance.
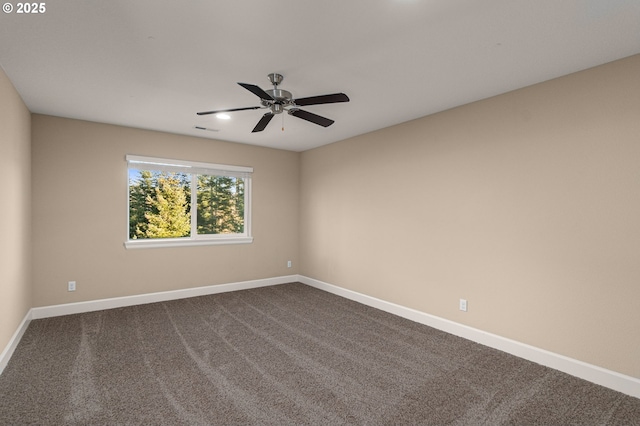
[
  {"x": 71, "y": 286},
  {"x": 463, "y": 305},
  {"x": 288, "y": 264}
]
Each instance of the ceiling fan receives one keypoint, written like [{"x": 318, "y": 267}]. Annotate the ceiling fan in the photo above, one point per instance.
[{"x": 278, "y": 101}]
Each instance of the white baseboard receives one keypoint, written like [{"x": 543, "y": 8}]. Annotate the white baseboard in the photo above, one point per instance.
[
  {"x": 141, "y": 299},
  {"x": 119, "y": 302},
  {"x": 601, "y": 376},
  {"x": 13, "y": 342}
]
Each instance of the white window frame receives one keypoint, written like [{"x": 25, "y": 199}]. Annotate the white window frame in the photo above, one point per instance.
[{"x": 193, "y": 168}]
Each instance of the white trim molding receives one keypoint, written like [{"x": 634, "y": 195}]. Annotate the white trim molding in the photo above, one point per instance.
[
  {"x": 6, "y": 354},
  {"x": 592, "y": 373},
  {"x": 120, "y": 302},
  {"x": 187, "y": 242},
  {"x": 141, "y": 299}
]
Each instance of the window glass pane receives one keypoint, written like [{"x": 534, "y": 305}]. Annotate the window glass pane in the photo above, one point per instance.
[
  {"x": 177, "y": 203},
  {"x": 220, "y": 205},
  {"x": 159, "y": 204}
]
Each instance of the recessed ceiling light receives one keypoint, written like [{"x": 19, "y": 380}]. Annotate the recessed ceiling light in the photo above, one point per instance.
[{"x": 223, "y": 116}]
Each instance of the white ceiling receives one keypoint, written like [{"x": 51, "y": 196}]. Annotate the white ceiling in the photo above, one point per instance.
[{"x": 153, "y": 64}]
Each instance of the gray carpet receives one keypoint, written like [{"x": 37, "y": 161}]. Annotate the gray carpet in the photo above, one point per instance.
[{"x": 280, "y": 355}]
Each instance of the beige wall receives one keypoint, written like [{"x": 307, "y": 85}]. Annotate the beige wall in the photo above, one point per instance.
[
  {"x": 526, "y": 204},
  {"x": 80, "y": 214},
  {"x": 15, "y": 211}
]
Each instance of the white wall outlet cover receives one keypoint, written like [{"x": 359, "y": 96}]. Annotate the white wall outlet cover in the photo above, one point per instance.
[{"x": 463, "y": 305}]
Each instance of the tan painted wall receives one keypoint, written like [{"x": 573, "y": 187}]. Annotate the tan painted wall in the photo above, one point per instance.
[
  {"x": 526, "y": 204},
  {"x": 80, "y": 214},
  {"x": 15, "y": 210}
]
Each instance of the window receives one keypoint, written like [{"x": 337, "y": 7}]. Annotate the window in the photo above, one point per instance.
[{"x": 177, "y": 203}]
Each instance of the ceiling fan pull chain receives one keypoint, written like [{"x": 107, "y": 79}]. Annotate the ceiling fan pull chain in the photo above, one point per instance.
[{"x": 283, "y": 122}]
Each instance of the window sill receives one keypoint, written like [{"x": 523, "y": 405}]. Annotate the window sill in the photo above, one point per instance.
[{"x": 185, "y": 242}]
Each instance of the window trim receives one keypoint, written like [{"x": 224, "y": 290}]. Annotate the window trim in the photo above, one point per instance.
[{"x": 192, "y": 168}]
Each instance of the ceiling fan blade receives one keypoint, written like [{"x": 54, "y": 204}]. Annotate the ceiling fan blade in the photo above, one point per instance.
[
  {"x": 314, "y": 118},
  {"x": 257, "y": 91},
  {"x": 322, "y": 99},
  {"x": 228, "y": 110},
  {"x": 263, "y": 122}
]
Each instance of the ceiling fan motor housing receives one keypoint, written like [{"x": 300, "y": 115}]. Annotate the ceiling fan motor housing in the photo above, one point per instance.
[{"x": 282, "y": 98}]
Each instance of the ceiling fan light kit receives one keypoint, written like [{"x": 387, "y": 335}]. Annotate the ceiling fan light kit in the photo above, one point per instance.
[{"x": 279, "y": 100}]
